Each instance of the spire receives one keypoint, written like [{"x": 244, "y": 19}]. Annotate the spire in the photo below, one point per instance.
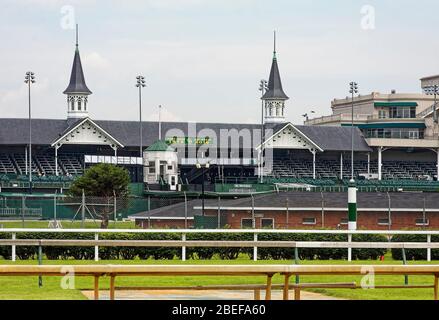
[
  {"x": 275, "y": 90},
  {"x": 77, "y": 81},
  {"x": 77, "y": 45}
]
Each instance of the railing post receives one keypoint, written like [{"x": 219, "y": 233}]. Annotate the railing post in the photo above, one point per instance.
[
  {"x": 183, "y": 247},
  {"x": 404, "y": 262},
  {"x": 349, "y": 249},
  {"x": 296, "y": 261},
  {"x": 255, "y": 248},
  {"x": 14, "y": 248},
  {"x": 40, "y": 262},
  {"x": 429, "y": 249},
  {"x": 96, "y": 247}
]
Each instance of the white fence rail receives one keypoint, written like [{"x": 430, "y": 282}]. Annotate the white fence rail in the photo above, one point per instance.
[{"x": 183, "y": 243}]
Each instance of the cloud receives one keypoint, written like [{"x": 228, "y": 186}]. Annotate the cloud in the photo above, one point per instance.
[
  {"x": 165, "y": 115},
  {"x": 95, "y": 60},
  {"x": 18, "y": 94}
]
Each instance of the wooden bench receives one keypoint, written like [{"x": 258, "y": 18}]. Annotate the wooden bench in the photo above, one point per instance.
[{"x": 268, "y": 271}]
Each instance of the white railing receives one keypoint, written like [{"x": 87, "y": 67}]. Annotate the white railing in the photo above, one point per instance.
[{"x": 183, "y": 243}]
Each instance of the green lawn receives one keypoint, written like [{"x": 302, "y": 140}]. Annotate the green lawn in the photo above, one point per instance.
[
  {"x": 66, "y": 224},
  {"x": 24, "y": 288}
]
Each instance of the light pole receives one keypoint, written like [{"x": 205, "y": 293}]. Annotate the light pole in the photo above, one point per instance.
[
  {"x": 30, "y": 79},
  {"x": 352, "y": 190},
  {"x": 353, "y": 90},
  {"x": 140, "y": 84},
  {"x": 263, "y": 87},
  {"x": 202, "y": 167}
]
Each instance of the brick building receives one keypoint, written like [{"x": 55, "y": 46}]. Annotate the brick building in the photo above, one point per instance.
[{"x": 302, "y": 210}]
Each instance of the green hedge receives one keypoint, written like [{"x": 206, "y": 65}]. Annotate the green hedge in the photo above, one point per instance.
[
  {"x": 414, "y": 254},
  {"x": 168, "y": 253}
]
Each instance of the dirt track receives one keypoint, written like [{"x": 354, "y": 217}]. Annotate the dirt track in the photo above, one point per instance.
[{"x": 199, "y": 295}]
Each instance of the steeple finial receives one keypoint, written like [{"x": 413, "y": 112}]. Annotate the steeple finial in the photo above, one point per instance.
[
  {"x": 77, "y": 37},
  {"x": 274, "y": 50}
]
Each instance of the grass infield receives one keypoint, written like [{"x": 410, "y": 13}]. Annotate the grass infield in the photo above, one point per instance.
[{"x": 26, "y": 288}]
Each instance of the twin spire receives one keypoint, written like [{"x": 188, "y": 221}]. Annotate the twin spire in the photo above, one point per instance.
[
  {"x": 275, "y": 90},
  {"x": 77, "y": 83}
]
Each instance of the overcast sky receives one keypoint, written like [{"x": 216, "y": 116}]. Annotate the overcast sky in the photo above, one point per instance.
[{"x": 203, "y": 59}]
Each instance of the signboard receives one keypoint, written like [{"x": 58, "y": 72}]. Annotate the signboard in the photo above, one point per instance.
[{"x": 188, "y": 140}]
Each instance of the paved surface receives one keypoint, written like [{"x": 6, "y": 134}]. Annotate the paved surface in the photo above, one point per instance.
[{"x": 198, "y": 295}]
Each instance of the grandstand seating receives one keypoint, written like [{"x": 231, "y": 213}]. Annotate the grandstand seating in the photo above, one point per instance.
[
  {"x": 71, "y": 164},
  {"x": 6, "y": 165},
  {"x": 330, "y": 169},
  {"x": 42, "y": 164}
]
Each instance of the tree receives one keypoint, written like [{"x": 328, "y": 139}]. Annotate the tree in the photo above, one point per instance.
[{"x": 102, "y": 180}]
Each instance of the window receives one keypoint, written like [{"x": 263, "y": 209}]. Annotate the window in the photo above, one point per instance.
[
  {"x": 151, "y": 166},
  {"x": 246, "y": 223},
  {"x": 382, "y": 114},
  {"x": 383, "y": 222},
  {"x": 170, "y": 167},
  {"x": 344, "y": 221},
  {"x": 79, "y": 104},
  {"x": 309, "y": 221},
  {"x": 422, "y": 222},
  {"x": 267, "y": 223}
]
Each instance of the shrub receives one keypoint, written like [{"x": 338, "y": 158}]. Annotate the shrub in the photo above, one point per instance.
[{"x": 414, "y": 254}]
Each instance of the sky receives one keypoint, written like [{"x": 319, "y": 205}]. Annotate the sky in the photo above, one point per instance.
[{"x": 203, "y": 59}]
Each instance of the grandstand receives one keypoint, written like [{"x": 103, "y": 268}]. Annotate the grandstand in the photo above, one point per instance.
[{"x": 389, "y": 149}]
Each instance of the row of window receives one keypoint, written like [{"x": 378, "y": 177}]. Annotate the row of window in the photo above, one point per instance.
[
  {"x": 398, "y": 113},
  {"x": 395, "y": 133},
  {"x": 402, "y": 112},
  {"x": 268, "y": 223}
]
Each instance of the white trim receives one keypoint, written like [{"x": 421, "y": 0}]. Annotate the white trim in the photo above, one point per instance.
[
  {"x": 316, "y": 209},
  {"x": 162, "y": 218},
  {"x": 272, "y": 220},
  {"x": 309, "y": 223},
  {"x": 80, "y": 124},
  {"x": 289, "y": 124}
]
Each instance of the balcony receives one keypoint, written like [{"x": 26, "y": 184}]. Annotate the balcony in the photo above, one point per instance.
[
  {"x": 403, "y": 143},
  {"x": 337, "y": 119}
]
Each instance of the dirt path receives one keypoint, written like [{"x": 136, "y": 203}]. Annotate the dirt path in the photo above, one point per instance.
[{"x": 199, "y": 295}]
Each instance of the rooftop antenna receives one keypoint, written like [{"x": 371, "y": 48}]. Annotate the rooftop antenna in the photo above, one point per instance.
[{"x": 274, "y": 50}]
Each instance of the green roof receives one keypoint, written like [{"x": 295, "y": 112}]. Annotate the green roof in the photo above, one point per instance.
[
  {"x": 396, "y": 104},
  {"x": 160, "y": 146}
]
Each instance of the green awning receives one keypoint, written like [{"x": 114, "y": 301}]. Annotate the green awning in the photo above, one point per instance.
[
  {"x": 396, "y": 104},
  {"x": 392, "y": 125}
]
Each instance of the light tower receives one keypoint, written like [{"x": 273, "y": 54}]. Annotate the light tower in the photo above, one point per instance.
[
  {"x": 77, "y": 91},
  {"x": 275, "y": 96},
  {"x": 352, "y": 190}
]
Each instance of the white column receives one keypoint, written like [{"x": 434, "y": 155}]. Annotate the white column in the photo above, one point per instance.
[
  {"x": 96, "y": 247},
  {"x": 183, "y": 248},
  {"x": 368, "y": 164},
  {"x": 314, "y": 164},
  {"x": 341, "y": 166},
  {"x": 25, "y": 158},
  {"x": 380, "y": 162},
  {"x": 56, "y": 160}
]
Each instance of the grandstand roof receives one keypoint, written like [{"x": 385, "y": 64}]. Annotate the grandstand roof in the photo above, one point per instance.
[{"x": 45, "y": 131}]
